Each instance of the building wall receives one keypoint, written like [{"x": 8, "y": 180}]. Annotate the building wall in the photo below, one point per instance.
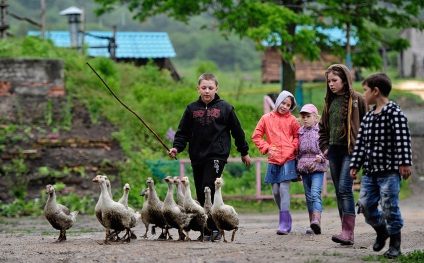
[
  {"x": 413, "y": 58},
  {"x": 30, "y": 87},
  {"x": 307, "y": 71}
]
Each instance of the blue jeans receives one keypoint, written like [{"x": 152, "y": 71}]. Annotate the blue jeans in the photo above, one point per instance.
[
  {"x": 312, "y": 183},
  {"x": 339, "y": 159},
  {"x": 386, "y": 191}
]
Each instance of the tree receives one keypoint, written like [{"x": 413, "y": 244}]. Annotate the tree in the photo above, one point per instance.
[
  {"x": 293, "y": 25},
  {"x": 257, "y": 20},
  {"x": 365, "y": 20}
]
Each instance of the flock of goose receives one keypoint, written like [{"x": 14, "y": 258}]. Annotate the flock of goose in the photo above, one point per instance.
[{"x": 185, "y": 214}]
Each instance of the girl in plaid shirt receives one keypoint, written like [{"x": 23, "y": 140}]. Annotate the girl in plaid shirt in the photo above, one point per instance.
[{"x": 383, "y": 149}]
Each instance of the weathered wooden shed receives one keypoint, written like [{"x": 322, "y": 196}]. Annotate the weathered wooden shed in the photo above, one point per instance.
[{"x": 307, "y": 71}]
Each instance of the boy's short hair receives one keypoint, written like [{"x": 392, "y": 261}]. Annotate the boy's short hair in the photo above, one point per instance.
[
  {"x": 379, "y": 80},
  {"x": 208, "y": 76}
]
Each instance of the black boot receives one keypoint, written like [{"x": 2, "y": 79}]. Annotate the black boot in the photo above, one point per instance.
[
  {"x": 394, "y": 249},
  {"x": 382, "y": 235}
]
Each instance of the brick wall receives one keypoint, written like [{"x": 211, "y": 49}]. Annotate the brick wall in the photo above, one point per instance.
[{"x": 26, "y": 87}]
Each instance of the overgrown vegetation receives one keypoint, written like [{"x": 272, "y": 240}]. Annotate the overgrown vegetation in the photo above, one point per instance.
[{"x": 160, "y": 101}]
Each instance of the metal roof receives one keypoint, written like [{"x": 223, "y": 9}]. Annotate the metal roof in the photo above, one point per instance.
[
  {"x": 130, "y": 44},
  {"x": 71, "y": 11}
]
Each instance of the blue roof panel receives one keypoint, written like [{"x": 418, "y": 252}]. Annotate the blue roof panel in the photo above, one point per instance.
[{"x": 130, "y": 44}]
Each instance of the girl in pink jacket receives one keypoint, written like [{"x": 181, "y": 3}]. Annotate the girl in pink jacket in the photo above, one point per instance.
[{"x": 281, "y": 130}]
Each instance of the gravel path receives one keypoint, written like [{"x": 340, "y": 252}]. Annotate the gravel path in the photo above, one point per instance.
[{"x": 32, "y": 240}]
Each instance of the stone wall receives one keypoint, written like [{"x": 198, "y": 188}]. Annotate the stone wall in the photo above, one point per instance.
[{"x": 29, "y": 88}]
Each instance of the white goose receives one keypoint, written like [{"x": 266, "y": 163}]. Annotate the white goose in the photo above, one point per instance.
[
  {"x": 180, "y": 193},
  {"x": 59, "y": 216},
  {"x": 154, "y": 210},
  {"x": 145, "y": 213},
  {"x": 198, "y": 222},
  {"x": 115, "y": 215},
  {"x": 124, "y": 201},
  {"x": 224, "y": 216},
  {"x": 98, "y": 208},
  {"x": 174, "y": 214},
  {"x": 210, "y": 224}
]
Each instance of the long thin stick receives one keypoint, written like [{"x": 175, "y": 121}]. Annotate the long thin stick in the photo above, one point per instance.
[{"x": 128, "y": 108}]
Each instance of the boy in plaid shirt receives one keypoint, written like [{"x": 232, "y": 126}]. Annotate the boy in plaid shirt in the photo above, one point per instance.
[{"x": 383, "y": 149}]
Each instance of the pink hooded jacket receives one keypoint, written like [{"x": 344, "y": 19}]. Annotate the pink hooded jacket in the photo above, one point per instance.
[{"x": 281, "y": 131}]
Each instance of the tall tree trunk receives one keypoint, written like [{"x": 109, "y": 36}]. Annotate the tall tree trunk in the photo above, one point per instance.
[{"x": 288, "y": 81}]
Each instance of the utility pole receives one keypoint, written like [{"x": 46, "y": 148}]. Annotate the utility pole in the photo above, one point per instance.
[
  {"x": 43, "y": 19},
  {"x": 3, "y": 26},
  {"x": 112, "y": 44},
  {"x": 83, "y": 19}
]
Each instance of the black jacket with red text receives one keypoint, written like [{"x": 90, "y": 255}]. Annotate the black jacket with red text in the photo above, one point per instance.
[{"x": 208, "y": 129}]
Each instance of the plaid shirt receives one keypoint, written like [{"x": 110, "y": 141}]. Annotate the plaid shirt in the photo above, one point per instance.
[{"x": 383, "y": 143}]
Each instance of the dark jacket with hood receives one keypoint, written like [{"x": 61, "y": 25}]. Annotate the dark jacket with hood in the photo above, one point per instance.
[
  {"x": 208, "y": 129},
  {"x": 356, "y": 111}
]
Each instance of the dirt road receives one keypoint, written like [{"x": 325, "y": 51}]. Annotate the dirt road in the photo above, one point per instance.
[{"x": 32, "y": 240}]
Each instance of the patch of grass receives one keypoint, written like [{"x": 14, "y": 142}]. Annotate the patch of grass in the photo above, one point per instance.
[
  {"x": 334, "y": 254},
  {"x": 416, "y": 256}
]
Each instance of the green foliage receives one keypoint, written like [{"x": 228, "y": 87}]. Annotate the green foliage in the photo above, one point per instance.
[
  {"x": 415, "y": 256},
  {"x": 49, "y": 112},
  {"x": 66, "y": 121},
  {"x": 16, "y": 177},
  {"x": 45, "y": 171},
  {"x": 206, "y": 67},
  {"x": 20, "y": 207}
]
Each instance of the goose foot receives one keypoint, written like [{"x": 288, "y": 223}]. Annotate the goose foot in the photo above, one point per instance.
[
  {"x": 133, "y": 236},
  {"x": 62, "y": 236},
  {"x": 234, "y": 233}
]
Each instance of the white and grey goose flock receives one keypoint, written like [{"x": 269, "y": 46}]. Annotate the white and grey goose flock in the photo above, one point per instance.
[
  {"x": 58, "y": 215},
  {"x": 115, "y": 215},
  {"x": 224, "y": 216},
  {"x": 198, "y": 222}
]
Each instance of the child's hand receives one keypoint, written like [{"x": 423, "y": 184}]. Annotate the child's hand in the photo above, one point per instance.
[
  {"x": 173, "y": 152},
  {"x": 311, "y": 167},
  {"x": 353, "y": 172},
  {"x": 318, "y": 159},
  {"x": 405, "y": 171},
  {"x": 325, "y": 153},
  {"x": 246, "y": 160}
]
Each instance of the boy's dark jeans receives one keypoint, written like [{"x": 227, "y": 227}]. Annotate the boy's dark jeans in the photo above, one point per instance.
[{"x": 386, "y": 191}]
